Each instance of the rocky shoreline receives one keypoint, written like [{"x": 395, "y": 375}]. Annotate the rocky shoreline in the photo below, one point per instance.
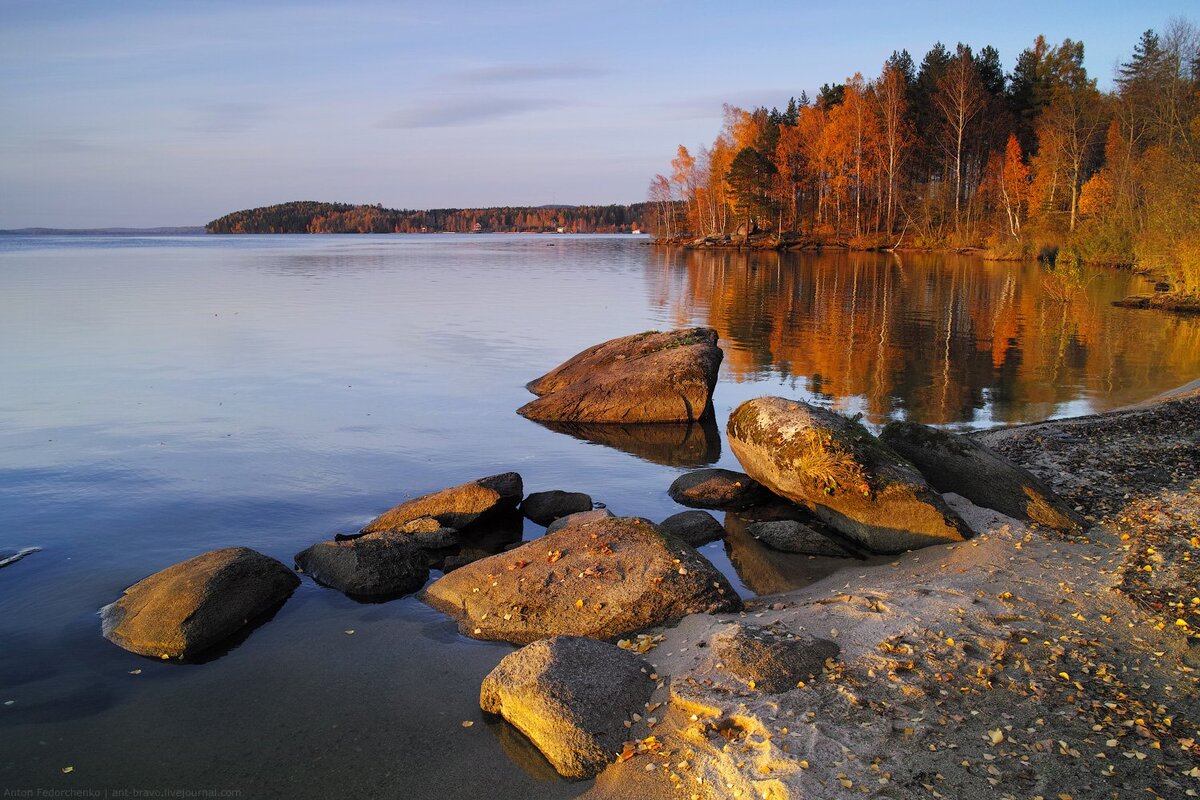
[
  {"x": 1026, "y": 662},
  {"x": 1035, "y": 632}
]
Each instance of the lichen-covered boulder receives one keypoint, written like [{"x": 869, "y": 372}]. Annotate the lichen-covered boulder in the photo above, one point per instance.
[
  {"x": 384, "y": 564},
  {"x": 851, "y": 481},
  {"x": 954, "y": 463},
  {"x": 192, "y": 606},
  {"x": 570, "y": 696},
  {"x": 648, "y": 377},
  {"x": 602, "y": 579},
  {"x": 455, "y": 507},
  {"x": 718, "y": 488}
]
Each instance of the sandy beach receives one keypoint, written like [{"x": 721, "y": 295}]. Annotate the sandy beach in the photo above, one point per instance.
[{"x": 1020, "y": 664}]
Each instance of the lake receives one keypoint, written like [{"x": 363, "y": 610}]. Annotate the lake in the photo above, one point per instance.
[{"x": 167, "y": 396}]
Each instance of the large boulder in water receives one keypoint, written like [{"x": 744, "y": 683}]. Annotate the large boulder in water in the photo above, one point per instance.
[
  {"x": 718, "y": 488},
  {"x": 185, "y": 609},
  {"x": 850, "y": 480},
  {"x": 457, "y": 506},
  {"x": 602, "y": 579},
  {"x": 384, "y": 564},
  {"x": 648, "y": 377},
  {"x": 571, "y": 697},
  {"x": 954, "y": 463}
]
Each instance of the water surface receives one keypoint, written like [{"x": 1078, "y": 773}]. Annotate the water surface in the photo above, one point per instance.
[{"x": 166, "y": 396}]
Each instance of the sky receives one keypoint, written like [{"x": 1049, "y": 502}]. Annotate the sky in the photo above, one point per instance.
[{"x": 147, "y": 113}]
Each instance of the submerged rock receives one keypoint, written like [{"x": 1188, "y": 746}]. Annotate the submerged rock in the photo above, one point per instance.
[
  {"x": 8, "y": 557},
  {"x": 851, "y": 481},
  {"x": 718, "y": 488},
  {"x": 578, "y": 518},
  {"x": 187, "y": 608},
  {"x": 570, "y": 696},
  {"x": 648, "y": 377},
  {"x": 791, "y": 536},
  {"x": 455, "y": 507},
  {"x": 697, "y": 528},
  {"x": 381, "y": 564},
  {"x": 954, "y": 463},
  {"x": 602, "y": 579},
  {"x": 545, "y": 507}
]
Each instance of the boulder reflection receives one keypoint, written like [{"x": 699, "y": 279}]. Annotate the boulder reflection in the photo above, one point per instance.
[{"x": 692, "y": 444}]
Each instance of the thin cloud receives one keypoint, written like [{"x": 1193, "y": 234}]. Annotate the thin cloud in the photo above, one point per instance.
[
  {"x": 51, "y": 145},
  {"x": 526, "y": 73},
  {"x": 464, "y": 112},
  {"x": 227, "y": 117}
]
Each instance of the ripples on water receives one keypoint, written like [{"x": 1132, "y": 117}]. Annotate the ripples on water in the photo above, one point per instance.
[{"x": 167, "y": 396}]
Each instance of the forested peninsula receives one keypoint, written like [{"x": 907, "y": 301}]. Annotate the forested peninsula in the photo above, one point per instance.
[
  {"x": 954, "y": 152},
  {"x": 315, "y": 217}
]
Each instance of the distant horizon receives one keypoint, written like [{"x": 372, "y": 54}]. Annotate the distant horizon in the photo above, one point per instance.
[
  {"x": 201, "y": 225},
  {"x": 146, "y": 114}
]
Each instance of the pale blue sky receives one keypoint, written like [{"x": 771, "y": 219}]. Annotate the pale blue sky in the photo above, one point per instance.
[{"x": 154, "y": 113}]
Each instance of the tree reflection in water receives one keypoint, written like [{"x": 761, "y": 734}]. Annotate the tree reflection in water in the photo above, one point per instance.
[{"x": 938, "y": 338}]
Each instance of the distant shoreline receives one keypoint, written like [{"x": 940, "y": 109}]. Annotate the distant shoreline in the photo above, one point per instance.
[
  {"x": 182, "y": 230},
  {"x": 200, "y": 231}
]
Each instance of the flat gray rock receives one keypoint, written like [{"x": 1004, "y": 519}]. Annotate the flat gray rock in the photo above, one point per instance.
[{"x": 791, "y": 536}]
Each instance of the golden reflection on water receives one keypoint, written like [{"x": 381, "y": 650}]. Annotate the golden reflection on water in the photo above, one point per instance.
[{"x": 937, "y": 338}]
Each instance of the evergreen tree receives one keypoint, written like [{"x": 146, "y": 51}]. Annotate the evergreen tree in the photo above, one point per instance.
[{"x": 751, "y": 177}]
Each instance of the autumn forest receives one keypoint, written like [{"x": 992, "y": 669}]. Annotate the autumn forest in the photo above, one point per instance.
[{"x": 955, "y": 152}]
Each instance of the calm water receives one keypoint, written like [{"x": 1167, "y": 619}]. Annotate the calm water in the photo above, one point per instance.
[{"x": 163, "y": 397}]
